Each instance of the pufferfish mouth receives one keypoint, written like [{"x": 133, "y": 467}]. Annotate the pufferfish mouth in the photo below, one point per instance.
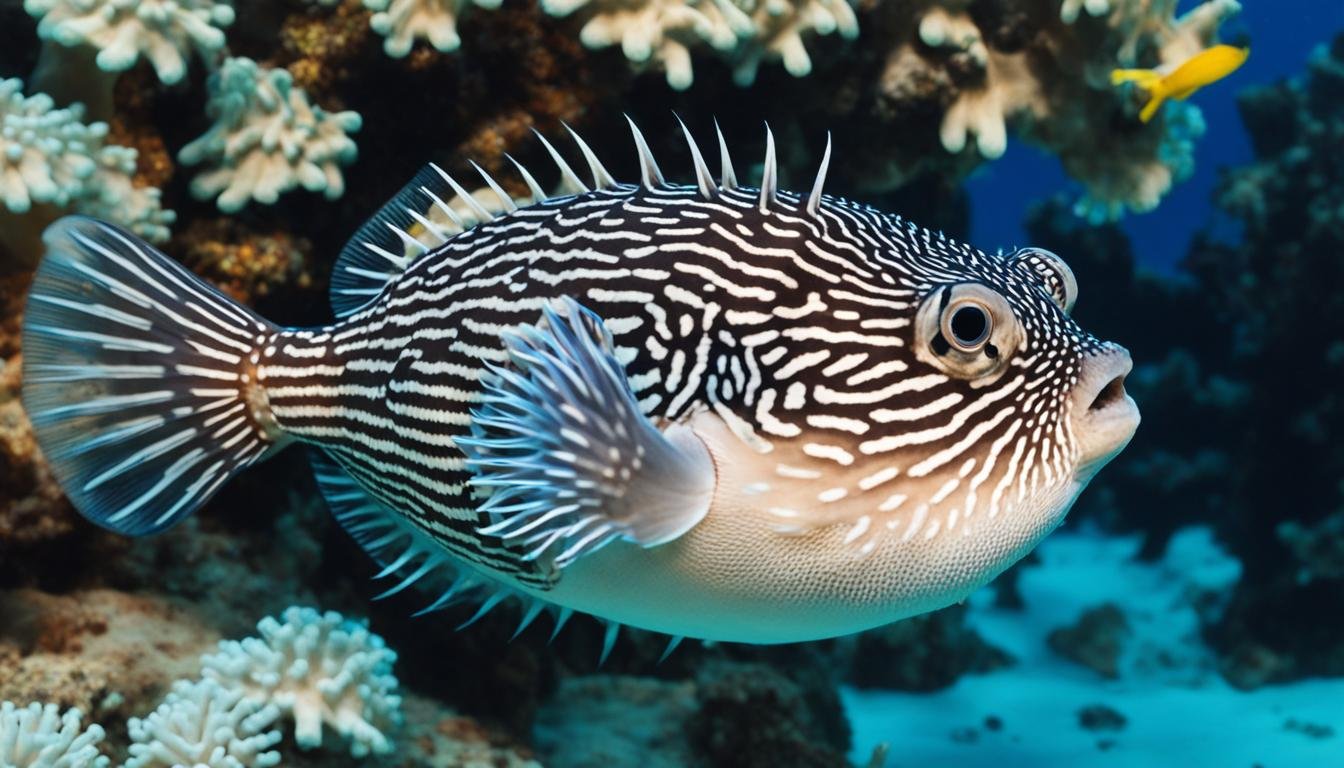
[{"x": 1104, "y": 415}]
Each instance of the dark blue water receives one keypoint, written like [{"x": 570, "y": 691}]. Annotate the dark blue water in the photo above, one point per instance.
[{"x": 1282, "y": 35}]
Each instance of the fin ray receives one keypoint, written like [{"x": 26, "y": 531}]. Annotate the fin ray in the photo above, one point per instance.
[{"x": 544, "y": 437}]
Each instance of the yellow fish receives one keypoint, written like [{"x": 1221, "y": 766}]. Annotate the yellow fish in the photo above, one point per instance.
[{"x": 1207, "y": 66}]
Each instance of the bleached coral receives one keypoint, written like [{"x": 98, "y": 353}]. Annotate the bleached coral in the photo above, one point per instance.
[
  {"x": 319, "y": 669},
  {"x": 40, "y": 736},
  {"x": 49, "y": 155},
  {"x": 267, "y": 139},
  {"x": 403, "y": 22},
  {"x": 661, "y": 34},
  {"x": 114, "y": 197},
  {"x": 46, "y": 154},
  {"x": 202, "y": 724},
  {"x": 163, "y": 31},
  {"x": 1070, "y": 9},
  {"x": 778, "y": 29},
  {"x": 1111, "y": 187}
]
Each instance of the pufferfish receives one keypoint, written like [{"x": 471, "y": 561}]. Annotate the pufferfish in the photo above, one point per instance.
[{"x": 707, "y": 409}]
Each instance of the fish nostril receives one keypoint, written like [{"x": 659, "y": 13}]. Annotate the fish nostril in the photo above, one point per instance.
[{"x": 1113, "y": 392}]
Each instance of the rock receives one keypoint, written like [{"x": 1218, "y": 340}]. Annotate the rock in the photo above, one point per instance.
[
  {"x": 1095, "y": 641},
  {"x": 1099, "y": 717},
  {"x": 923, "y": 653}
]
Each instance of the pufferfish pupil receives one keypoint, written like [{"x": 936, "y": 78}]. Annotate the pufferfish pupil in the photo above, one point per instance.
[{"x": 709, "y": 410}]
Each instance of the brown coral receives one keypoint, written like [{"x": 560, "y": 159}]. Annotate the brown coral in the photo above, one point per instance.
[
  {"x": 102, "y": 651},
  {"x": 245, "y": 264}
]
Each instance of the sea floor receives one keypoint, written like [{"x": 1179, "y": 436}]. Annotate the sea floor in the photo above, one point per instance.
[{"x": 1167, "y": 706}]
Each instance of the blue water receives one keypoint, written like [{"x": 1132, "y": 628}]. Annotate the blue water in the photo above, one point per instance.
[{"x": 1282, "y": 36}]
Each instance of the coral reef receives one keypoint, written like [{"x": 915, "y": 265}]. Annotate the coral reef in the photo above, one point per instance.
[
  {"x": 163, "y": 31},
  {"x": 1278, "y": 288},
  {"x": 1038, "y": 70},
  {"x": 267, "y": 139},
  {"x": 321, "y": 670},
  {"x": 40, "y": 736},
  {"x": 204, "y": 724}
]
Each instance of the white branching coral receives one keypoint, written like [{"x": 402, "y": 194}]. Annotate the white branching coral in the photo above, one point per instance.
[
  {"x": 661, "y": 34},
  {"x": 50, "y": 156},
  {"x": 163, "y": 31},
  {"x": 658, "y": 33},
  {"x": 403, "y": 22},
  {"x": 204, "y": 725},
  {"x": 321, "y": 670},
  {"x": 40, "y": 736},
  {"x": 267, "y": 139},
  {"x": 778, "y": 31}
]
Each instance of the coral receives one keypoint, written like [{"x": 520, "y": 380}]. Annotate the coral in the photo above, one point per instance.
[
  {"x": 267, "y": 139},
  {"x": 661, "y": 33},
  {"x": 1319, "y": 549},
  {"x": 113, "y": 196},
  {"x": 923, "y": 653},
  {"x": 1277, "y": 291},
  {"x": 104, "y": 652},
  {"x": 750, "y": 715},
  {"x": 40, "y": 736},
  {"x": 403, "y": 22},
  {"x": 250, "y": 266},
  {"x": 778, "y": 29},
  {"x": 989, "y": 71},
  {"x": 320, "y": 669},
  {"x": 204, "y": 725},
  {"x": 163, "y": 31},
  {"x": 49, "y": 155}
]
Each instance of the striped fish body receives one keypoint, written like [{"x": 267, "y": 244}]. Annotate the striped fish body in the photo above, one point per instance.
[{"x": 887, "y": 418}]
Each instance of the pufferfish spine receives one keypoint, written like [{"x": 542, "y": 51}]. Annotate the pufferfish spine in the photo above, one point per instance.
[{"x": 709, "y": 410}]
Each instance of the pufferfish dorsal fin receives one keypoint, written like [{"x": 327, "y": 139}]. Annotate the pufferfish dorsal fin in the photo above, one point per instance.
[
  {"x": 571, "y": 461},
  {"x": 429, "y": 210}
]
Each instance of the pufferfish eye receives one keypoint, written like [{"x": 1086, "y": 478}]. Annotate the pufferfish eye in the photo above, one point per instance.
[
  {"x": 1051, "y": 269},
  {"x": 966, "y": 330}
]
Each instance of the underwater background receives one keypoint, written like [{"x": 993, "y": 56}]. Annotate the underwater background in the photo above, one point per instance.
[{"x": 1191, "y": 610}]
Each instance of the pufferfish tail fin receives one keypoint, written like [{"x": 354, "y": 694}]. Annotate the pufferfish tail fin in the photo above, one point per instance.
[
  {"x": 137, "y": 377},
  {"x": 1149, "y": 80}
]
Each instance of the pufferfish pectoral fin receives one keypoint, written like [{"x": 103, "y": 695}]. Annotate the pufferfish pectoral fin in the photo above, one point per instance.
[{"x": 571, "y": 462}]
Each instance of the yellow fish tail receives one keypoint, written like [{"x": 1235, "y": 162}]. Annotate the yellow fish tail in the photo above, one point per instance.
[{"x": 1154, "y": 103}]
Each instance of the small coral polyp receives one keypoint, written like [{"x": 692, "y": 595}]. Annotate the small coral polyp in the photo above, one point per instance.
[
  {"x": 205, "y": 725},
  {"x": 163, "y": 31},
  {"x": 38, "y": 736},
  {"x": 321, "y": 670},
  {"x": 267, "y": 139}
]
